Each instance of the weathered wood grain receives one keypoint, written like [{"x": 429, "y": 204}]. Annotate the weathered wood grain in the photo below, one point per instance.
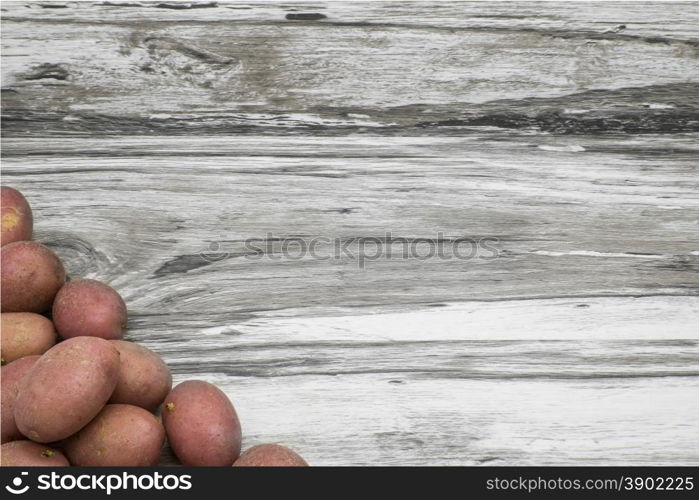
[{"x": 153, "y": 143}]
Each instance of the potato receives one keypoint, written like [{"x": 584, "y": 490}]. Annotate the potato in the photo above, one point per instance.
[
  {"x": 17, "y": 221},
  {"x": 201, "y": 424},
  {"x": 31, "y": 276},
  {"x": 66, "y": 389},
  {"x": 12, "y": 375},
  {"x": 269, "y": 455},
  {"x": 25, "y": 334},
  {"x": 120, "y": 435},
  {"x": 30, "y": 454},
  {"x": 144, "y": 378},
  {"x": 89, "y": 308}
]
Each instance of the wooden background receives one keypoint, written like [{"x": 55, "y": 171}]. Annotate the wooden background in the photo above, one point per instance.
[{"x": 145, "y": 135}]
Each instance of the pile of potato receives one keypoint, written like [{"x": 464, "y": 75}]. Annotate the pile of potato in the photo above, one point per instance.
[{"x": 93, "y": 399}]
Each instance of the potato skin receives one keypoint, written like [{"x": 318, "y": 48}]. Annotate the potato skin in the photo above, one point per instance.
[
  {"x": 89, "y": 308},
  {"x": 120, "y": 435},
  {"x": 12, "y": 376},
  {"x": 25, "y": 334},
  {"x": 31, "y": 276},
  {"x": 144, "y": 378},
  {"x": 201, "y": 425},
  {"x": 66, "y": 389},
  {"x": 29, "y": 454},
  {"x": 270, "y": 455},
  {"x": 17, "y": 220}
]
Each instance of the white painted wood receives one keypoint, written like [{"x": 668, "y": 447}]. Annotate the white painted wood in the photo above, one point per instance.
[{"x": 145, "y": 137}]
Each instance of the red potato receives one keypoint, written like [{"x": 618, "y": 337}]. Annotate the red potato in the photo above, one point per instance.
[
  {"x": 120, "y": 435},
  {"x": 144, "y": 378},
  {"x": 201, "y": 425},
  {"x": 30, "y": 454},
  {"x": 31, "y": 275},
  {"x": 12, "y": 376},
  {"x": 17, "y": 220},
  {"x": 270, "y": 455},
  {"x": 89, "y": 308},
  {"x": 25, "y": 334},
  {"x": 66, "y": 389}
]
